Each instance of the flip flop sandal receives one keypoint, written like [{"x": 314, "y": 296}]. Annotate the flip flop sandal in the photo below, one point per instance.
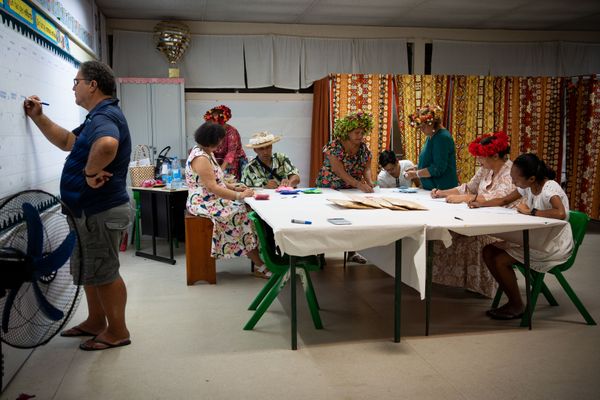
[
  {"x": 505, "y": 316},
  {"x": 90, "y": 345},
  {"x": 76, "y": 332},
  {"x": 262, "y": 272}
]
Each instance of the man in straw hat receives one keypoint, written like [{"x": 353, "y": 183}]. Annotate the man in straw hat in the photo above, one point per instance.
[{"x": 269, "y": 170}]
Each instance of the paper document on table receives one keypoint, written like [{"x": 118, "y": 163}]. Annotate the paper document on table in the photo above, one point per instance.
[
  {"x": 390, "y": 203},
  {"x": 349, "y": 204},
  {"x": 367, "y": 201},
  {"x": 410, "y": 205}
]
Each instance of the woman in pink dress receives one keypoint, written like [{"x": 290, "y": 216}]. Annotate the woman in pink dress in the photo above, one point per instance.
[
  {"x": 230, "y": 155},
  {"x": 461, "y": 264}
]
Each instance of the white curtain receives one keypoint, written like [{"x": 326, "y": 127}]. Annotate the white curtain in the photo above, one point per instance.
[
  {"x": 258, "y": 55},
  {"x": 214, "y": 62},
  {"x": 498, "y": 59},
  {"x": 286, "y": 62},
  {"x": 380, "y": 56},
  {"x": 579, "y": 58},
  {"x": 267, "y": 60},
  {"x": 321, "y": 57}
]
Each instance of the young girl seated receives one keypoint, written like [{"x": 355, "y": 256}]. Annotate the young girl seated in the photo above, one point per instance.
[{"x": 542, "y": 197}]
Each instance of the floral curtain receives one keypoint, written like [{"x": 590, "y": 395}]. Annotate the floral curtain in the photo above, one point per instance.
[
  {"x": 369, "y": 93},
  {"x": 583, "y": 144},
  {"x": 534, "y": 120},
  {"x": 527, "y": 109}
]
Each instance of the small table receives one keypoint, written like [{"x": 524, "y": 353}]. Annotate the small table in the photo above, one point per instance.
[{"x": 162, "y": 213}]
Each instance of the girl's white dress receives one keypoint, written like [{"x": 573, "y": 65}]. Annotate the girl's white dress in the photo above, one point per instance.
[{"x": 559, "y": 249}]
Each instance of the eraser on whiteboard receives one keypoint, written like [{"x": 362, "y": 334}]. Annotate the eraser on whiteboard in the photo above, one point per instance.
[{"x": 261, "y": 196}]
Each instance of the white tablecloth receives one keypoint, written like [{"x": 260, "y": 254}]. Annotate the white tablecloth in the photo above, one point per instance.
[{"x": 381, "y": 228}]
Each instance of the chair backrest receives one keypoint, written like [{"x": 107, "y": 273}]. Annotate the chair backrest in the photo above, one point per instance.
[
  {"x": 266, "y": 251},
  {"x": 579, "y": 222}
]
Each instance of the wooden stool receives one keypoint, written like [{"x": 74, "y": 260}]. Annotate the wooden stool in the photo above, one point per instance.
[{"x": 200, "y": 266}]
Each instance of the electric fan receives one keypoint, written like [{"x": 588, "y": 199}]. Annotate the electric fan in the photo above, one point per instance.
[{"x": 39, "y": 283}]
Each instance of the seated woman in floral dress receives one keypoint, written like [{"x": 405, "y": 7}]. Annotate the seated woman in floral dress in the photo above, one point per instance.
[
  {"x": 211, "y": 197},
  {"x": 462, "y": 264}
]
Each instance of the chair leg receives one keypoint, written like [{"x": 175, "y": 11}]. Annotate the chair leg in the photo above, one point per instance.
[
  {"x": 563, "y": 282},
  {"x": 538, "y": 281},
  {"x": 322, "y": 261},
  {"x": 311, "y": 298},
  {"x": 264, "y": 305},
  {"x": 549, "y": 298},
  {"x": 497, "y": 298},
  {"x": 312, "y": 288},
  {"x": 345, "y": 256},
  {"x": 263, "y": 292}
]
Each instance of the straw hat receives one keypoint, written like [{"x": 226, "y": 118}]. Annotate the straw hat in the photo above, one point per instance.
[{"x": 262, "y": 139}]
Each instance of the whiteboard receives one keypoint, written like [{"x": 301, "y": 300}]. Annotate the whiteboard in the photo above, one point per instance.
[
  {"x": 289, "y": 115},
  {"x": 27, "y": 159}
]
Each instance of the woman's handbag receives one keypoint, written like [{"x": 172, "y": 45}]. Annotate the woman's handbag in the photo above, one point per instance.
[
  {"x": 160, "y": 160},
  {"x": 140, "y": 167}
]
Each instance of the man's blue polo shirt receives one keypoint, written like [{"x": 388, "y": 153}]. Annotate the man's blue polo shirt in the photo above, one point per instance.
[{"x": 106, "y": 119}]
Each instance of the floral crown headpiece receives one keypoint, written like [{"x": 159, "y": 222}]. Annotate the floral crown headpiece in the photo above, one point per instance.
[
  {"x": 224, "y": 114},
  {"x": 425, "y": 115},
  {"x": 498, "y": 145},
  {"x": 350, "y": 122}
]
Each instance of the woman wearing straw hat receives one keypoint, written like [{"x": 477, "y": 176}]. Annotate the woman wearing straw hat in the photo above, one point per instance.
[
  {"x": 230, "y": 154},
  {"x": 269, "y": 170}
]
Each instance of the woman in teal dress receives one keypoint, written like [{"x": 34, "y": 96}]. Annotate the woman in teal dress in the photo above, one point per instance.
[{"x": 437, "y": 161}]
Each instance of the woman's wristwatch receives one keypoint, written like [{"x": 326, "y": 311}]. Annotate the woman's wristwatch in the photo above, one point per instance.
[{"x": 533, "y": 211}]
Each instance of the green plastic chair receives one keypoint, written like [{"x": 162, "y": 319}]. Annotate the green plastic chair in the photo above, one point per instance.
[
  {"x": 578, "y": 221},
  {"x": 280, "y": 270},
  {"x": 137, "y": 228}
]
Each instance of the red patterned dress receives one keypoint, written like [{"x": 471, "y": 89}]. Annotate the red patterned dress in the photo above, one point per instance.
[
  {"x": 231, "y": 151},
  {"x": 354, "y": 165},
  {"x": 233, "y": 233}
]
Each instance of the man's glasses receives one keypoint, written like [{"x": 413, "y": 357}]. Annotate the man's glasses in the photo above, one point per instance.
[{"x": 76, "y": 81}]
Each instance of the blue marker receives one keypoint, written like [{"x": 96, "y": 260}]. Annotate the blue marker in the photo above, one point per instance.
[
  {"x": 299, "y": 221},
  {"x": 44, "y": 103}
]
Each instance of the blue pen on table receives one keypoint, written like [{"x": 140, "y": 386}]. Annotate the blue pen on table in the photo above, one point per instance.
[
  {"x": 458, "y": 218},
  {"x": 299, "y": 221}
]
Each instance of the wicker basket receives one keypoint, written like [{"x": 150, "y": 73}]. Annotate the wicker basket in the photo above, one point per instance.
[{"x": 140, "y": 173}]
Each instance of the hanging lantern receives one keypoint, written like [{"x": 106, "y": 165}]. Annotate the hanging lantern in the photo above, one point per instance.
[{"x": 172, "y": 38}]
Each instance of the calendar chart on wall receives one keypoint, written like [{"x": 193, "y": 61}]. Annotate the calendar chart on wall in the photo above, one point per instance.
[{"x": 29, "y": 67}]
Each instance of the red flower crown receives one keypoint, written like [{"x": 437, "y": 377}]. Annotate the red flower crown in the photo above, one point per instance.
[
  {"x": 224, "y": 114},
  {"x": 498, "y": 145}
]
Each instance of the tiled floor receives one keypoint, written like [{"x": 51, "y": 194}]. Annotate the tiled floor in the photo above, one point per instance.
[{"x": 188, "y": 342}]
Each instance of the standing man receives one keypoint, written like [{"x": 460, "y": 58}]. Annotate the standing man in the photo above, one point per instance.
[
  {"x": 93, "y": 184},
  {"x": 269, "y": 170}
]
